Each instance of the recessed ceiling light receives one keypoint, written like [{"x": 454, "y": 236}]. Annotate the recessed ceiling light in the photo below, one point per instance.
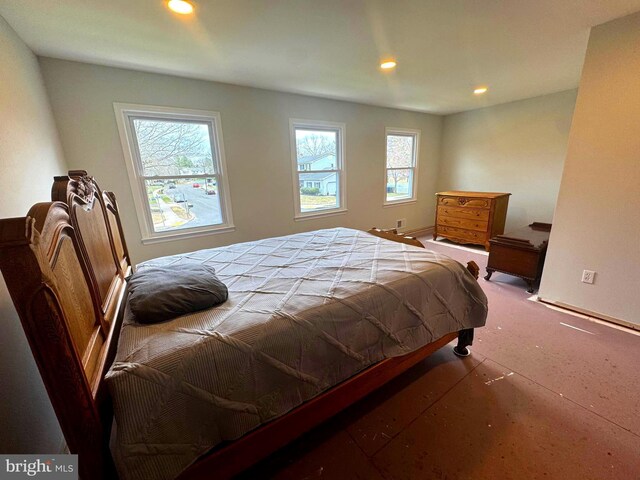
[
  {"x": 480, "y": 90},
  {"x": 389, "y": 64},
  {"x": 181, "y": 6}
]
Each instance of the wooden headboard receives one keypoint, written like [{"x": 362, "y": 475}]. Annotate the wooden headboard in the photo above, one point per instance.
[{"x": 65, "y": 265}]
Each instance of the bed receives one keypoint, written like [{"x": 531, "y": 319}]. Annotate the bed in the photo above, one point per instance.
[{"x": 313, "y": 323}]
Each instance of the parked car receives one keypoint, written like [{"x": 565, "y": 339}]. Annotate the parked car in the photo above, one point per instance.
[
  {"x": 196, "y": 185},
  {"x": 180, "y": 197}
]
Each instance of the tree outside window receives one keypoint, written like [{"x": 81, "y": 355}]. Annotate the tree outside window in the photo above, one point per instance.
[{"x": 401, "y": 165}]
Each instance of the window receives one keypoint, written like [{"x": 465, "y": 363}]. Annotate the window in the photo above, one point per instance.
[
  {"x": 402, "y": 165},
  {"x": 175, "y": 161},
  {"x": 317, "y": 150}
]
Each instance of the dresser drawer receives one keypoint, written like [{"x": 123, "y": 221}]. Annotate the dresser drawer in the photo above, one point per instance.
[
  {"x": 466, "y": 223},
  {"x": 458, "y": 212},
  {"x": 464, "y": 202},
  {"x": 470, "y": 236}
]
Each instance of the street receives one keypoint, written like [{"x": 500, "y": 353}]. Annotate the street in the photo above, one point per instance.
[{"x": 206, "y": 208}]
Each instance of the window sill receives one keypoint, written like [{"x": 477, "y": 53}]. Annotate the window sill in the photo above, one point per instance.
[
  {"x": 187, "y": 235},
  {"x": 399, "y": 202},
  {"x": 316, "y": 215}
]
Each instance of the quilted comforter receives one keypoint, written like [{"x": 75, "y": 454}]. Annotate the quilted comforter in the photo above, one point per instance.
[{"x": 305, "y": 312}]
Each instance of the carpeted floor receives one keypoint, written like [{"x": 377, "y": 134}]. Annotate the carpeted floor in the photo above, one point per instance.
[{"x": 545, "y": 394}]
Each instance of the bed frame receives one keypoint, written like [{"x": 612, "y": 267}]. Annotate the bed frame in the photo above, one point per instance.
[{"x": 66, "y": 266}]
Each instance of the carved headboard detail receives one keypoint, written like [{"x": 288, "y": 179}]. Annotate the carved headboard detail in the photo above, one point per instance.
[
  {"x": 94, "y": 215},
  {"x": 65, "y": 265}
]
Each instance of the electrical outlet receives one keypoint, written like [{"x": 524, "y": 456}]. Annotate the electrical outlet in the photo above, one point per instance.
[
  {"x": 400, "y": 223},
  {"x": 588, "y": 276}
]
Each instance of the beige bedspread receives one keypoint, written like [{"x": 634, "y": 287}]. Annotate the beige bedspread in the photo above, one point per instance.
[{"x": 305, "y": 312}]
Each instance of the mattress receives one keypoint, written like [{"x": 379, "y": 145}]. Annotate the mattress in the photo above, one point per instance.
[{"x": 305, "y": 312}]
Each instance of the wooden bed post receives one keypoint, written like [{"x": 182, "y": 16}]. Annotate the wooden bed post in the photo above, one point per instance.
[{"x": 473, "y": 268}]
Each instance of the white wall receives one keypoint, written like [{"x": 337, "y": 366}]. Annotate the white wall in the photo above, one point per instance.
[
  {"x": 517, "y": 147},
  {"x": 30, "y": 155},
  {"x": 597, "y": 220},
  {"x": 255, "y": 126}
]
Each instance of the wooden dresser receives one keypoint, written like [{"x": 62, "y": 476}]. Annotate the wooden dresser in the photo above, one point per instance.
[{"x": 470, "y": 217}]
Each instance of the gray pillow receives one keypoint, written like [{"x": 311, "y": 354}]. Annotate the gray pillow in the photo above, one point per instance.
[{"x": 157, "y": 294}]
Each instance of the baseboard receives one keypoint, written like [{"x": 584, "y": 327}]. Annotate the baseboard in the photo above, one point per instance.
[
  {"x": 589, "y": 313},
  {"x": 447, "y": 243},
  {"x": 419, "y": 232}
]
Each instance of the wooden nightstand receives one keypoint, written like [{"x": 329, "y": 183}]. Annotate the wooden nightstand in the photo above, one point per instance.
[{"x": 520, "y": 253}]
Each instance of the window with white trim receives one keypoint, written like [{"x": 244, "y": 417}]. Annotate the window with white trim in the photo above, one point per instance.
[
  {"x": 176, "y": 166},
  {"x": 317, "y": 150},
  {"x": 401, "y": 165}
]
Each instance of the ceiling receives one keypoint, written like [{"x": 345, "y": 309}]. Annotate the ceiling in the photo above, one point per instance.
[{"x": 332, "y": 48}]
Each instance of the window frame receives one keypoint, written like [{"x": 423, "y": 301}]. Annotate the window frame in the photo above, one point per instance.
[
  {"x": 402, "y": 132},
  {"x": 125, "y": 114},
  {"x": 340, "y": 168}
]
